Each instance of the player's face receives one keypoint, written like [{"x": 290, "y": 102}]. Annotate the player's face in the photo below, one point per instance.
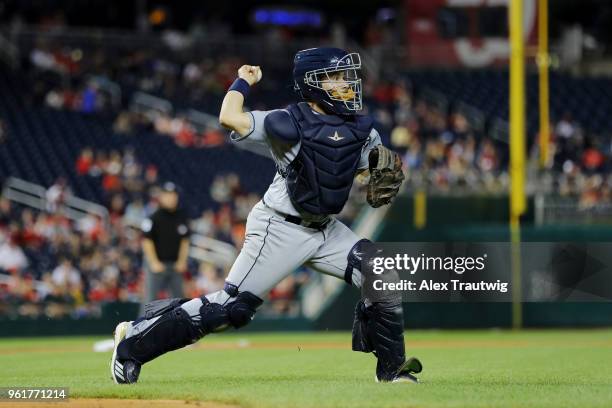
[{"x": 335, "y": 83}]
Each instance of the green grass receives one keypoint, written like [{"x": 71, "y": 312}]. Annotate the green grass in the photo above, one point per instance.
[{"x": 462, "y": 369}]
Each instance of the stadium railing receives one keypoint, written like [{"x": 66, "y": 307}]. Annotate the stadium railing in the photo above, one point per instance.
[
  {"x": 34, "y": 195},
  {"x": 554, "y": 210},
  {"x": 203, "y": 249}
]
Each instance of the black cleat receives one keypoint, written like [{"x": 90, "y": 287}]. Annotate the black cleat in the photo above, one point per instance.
[{"x": 406, "y": 371}]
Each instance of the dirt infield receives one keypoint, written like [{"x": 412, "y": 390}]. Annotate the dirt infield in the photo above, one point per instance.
[{"x": 117, "y": 403}]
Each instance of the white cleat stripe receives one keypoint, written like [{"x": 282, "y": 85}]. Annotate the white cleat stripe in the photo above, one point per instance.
[{"x": 119, "y": 370}]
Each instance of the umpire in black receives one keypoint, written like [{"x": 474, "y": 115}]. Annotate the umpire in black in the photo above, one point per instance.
[{"x": 165, "y": 246}]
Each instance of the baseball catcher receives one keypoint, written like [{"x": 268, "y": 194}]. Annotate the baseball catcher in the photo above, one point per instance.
[{"x": 319, "y": 146}]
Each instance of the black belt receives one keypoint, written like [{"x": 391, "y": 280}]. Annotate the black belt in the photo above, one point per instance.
[{"x": 299, "y": 221}]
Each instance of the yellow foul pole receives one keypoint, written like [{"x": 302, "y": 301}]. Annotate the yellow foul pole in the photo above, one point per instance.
[
  {"x": 517, "y": 150},
  {"x": 543, "y": 61},
  {"x": 420, "y": 209}
]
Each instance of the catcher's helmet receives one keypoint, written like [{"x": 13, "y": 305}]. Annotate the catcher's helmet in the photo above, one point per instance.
[{"x": 315, "y": 66}]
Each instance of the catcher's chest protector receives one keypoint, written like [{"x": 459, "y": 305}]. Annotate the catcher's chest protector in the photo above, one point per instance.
[{"x": 320, "y": 177}]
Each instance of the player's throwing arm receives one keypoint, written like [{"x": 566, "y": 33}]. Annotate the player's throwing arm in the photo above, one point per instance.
[{"x": 231, "y": 115}]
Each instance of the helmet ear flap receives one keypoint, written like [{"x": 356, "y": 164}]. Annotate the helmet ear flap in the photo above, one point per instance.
[{"x": 297, "y": 90}]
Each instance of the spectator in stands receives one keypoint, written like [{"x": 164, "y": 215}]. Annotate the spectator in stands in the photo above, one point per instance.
[
  {"x": 111, "y": 182},
  {"x": 185, "y": 135},
  {"x": 566, "y": 128},
  {"x": 208, "y": 280},
  {"x": 28, "y": 235},
  {"x": 66, "y": 276},
  {"x": 89, "y": 99},
  {"x": 84, "y": 162},
  {"x": 23, "y": 289},
  {"x": 212, "y": 138},
  {"x": 401, "y": 137},
  {"x": 135, "y": 213},
  {"x": 151, "y": 176},
  {"x": 116, "y": 207},
  {"x": 124, "y": 123},
  {"x": 413, "y": 157},
  {"x": 592, "y": 193},
  {"x": 6, "y": 211},
  {"x": 224, "y": 224},
  {"x": 220, "y": 190},
  {"x": 243, "y": 204},
  {"x": 57, "y": 194},
  {"x": 90, "y": 226},
  {"x": 283, "y": 295},
  {"x": 593, "y": 160},
  {"x": 43, "y": 59},
  {"x": 205, "y": 225},
  {"x": 487, "y": 157},
  {"x": 12, "y": 257},
  {"x": 99, "y": 164},
  {"x": 44, "y": 226},
  {"x": 58, "y": 302}
]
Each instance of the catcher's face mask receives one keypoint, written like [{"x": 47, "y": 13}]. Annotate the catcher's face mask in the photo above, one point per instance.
[{"x": 341, "y": 82}]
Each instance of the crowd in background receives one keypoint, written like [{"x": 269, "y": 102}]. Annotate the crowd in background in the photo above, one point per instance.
[
  {"x": 85, "y": 80},
  {"x": 52, "y": 266},
  {"x": 583, "y": 163},
  {"x": 184, "y": 132},
  {"x": 444, "y": 153},
  {"x": 441, "y": 149}
]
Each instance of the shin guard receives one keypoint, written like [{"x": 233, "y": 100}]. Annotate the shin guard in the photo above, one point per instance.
[{"x": 379, "y": 329}]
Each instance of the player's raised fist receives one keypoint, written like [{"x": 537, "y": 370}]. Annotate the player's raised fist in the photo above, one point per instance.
[{"x": 250, "y": 73}]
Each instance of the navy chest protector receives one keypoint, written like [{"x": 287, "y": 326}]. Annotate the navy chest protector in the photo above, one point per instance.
[{"x": 320, "y": 177}]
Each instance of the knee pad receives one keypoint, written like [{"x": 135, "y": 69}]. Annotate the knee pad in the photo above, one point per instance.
[
  {"x": 213, "y": 317},
  {"x": 354, "y": 258},
  {"x": 241, "y": 311},
  {"x": 216, "y": 317}
]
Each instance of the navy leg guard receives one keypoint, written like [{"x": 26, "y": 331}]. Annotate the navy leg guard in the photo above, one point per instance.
[
  {"x": 175, "y": 328},
  {"x": 172, "y": 330},
  {"x": 378, "y": 326},
  {"x": 379, "y": 329}
]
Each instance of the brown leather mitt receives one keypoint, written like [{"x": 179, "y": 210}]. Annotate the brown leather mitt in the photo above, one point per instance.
[{"x": 386, "y": 176}]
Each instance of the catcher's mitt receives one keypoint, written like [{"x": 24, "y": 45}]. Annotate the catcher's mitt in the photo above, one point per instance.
[{"x": 386, "y": 176}]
